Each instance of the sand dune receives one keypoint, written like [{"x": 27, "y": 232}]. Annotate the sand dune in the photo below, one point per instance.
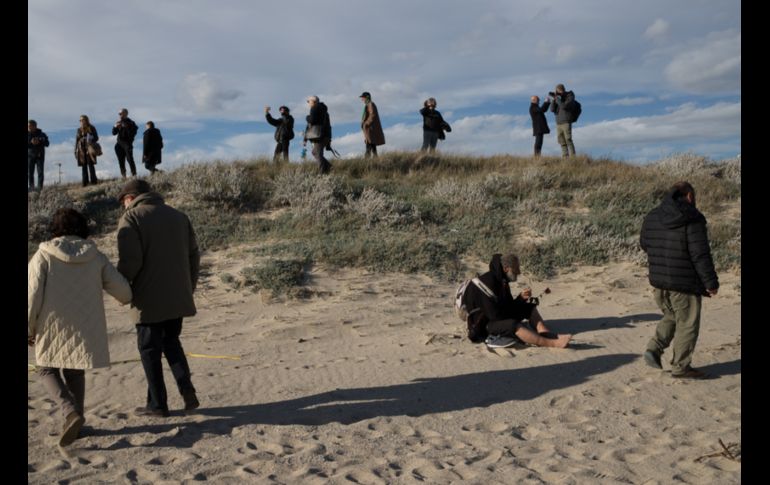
[{"x": 371, "y": 380}]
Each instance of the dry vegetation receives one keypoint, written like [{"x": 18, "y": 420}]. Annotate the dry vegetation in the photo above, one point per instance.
[{"x": 423, "y": 213}]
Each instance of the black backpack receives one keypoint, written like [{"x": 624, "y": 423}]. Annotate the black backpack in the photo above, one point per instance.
[{"x": 575, "y": 109}]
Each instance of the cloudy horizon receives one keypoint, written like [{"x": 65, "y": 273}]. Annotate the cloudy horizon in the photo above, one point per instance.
[{"x": 653, "y": 78}]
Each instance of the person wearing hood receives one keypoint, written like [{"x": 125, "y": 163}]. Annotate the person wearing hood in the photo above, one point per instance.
[
  {"x": 65, "y": 309},
  {"x": 318, "y": 132},
  {"x": 284, "y": 132},
  {"x": 681, "y": 271},
  {"x": 158, "y": 254},
  {"x": 503, "y": 314}
]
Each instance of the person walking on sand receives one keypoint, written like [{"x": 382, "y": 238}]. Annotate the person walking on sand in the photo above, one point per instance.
[
  {"x": 681, "y": 272},
  {"x": 158, "y": 254},
  {"x": 371, "y": 126},
  {"x": 502, "y": 314},
  {"x": 65, "y": 310}
]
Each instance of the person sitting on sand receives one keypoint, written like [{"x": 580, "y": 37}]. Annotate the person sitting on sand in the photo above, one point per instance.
[{"x": 503, "y": 315}]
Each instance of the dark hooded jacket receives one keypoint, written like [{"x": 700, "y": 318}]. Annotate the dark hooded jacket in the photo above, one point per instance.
[
  {"x": 490, "y": 310},
  {"x": 562, "y": 106},
  {"x": 675, "y": 240}
]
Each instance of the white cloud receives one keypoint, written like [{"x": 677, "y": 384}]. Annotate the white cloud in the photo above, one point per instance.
[
  {"x": 657, "y": 30},
  {"x": 202, "y": 93},
  {"x": 632, "y": 101},
  {"x": 711, "y": 65}
]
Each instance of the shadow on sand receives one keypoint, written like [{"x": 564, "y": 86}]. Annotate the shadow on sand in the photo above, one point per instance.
[{"x": 419, "y": 397}]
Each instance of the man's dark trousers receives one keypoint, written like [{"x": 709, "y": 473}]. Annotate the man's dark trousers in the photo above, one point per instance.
[
  {"x": 125, "y": 151},
  {"x": 154, "y": 339},
  {"x": 35, "y": 162}
]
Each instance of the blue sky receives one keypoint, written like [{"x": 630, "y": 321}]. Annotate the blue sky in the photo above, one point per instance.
[{"x": 654, "y": 77}]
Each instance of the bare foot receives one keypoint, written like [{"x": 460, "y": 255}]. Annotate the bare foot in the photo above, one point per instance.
[{"x": 563, "y": 340}]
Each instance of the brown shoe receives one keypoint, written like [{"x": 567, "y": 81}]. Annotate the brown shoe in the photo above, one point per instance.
[
  {"x": 690, "y": 373},
  {"x": 72, "y": 425}
]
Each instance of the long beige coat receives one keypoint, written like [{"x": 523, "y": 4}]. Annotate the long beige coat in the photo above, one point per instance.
[
  {"x": 65, "y": 305},
  {"x": 372, "y": 127}
]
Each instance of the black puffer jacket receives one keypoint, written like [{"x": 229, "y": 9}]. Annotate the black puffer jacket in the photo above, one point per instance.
[
  {"x": 491, "y": 311},
  {"x": 675, "y": 240},
  {"x": 284, "y": 127}
]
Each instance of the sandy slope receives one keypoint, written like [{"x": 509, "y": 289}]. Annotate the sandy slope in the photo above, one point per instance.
[{"x": 371, "y": 381}]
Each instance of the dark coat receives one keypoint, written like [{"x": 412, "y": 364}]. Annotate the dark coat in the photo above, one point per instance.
[
  {"x": 284, "y": 130},
  {"x": 82, "y": 139},
  {"x": 37, "y": 151},
  {"x": 539, "y": 123},
  {"x": 372, "y": 127},
  {"x": 126, "y": 131},
  {"x": 561, "y": 106},
  {"x": 491, "y": 311},
  {"x": 152, "y": 144},
  {"x": 158, "y": 254},
  {"x": 674, "y": 237},
  {"x": 319, "y": 115}
]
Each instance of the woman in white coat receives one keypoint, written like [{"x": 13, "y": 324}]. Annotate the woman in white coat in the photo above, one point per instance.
[{"x": 67, "y": 324}]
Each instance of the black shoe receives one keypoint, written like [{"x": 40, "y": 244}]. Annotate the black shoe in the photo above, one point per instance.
[
  {"x": 145, "y": 411},
  {"x": 652, "y": 359},
  {"x": 190, "y": 401}
]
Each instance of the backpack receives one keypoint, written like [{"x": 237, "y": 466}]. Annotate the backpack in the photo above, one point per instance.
[
  {"x": 460, "y": 309},
  {"x": 575, "y": 109}
]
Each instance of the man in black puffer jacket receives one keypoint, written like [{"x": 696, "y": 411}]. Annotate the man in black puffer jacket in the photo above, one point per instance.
[
  {"x": 681, "y": 272},
  {"x": 503, "y": 315}
]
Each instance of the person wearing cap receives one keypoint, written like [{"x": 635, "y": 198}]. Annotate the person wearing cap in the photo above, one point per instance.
[
  {"x": 86, "y": 137},
  {"x": 433, "y": 125},
  {"x": 539, "y": 123},
  {"x": 36, "y": 143},
  {"x": 371, "y": 126},
  {"x": 126, "y": 130},
  {"x": 158, "y": 254},
  {"x": 284, "y": 132},
  {"x": 561, "y": 102}
]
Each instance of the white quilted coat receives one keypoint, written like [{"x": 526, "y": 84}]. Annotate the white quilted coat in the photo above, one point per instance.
[{"x": 65, "y": 306}]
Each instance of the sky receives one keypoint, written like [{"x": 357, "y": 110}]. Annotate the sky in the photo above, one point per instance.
[{"x": 654, "y": 78}]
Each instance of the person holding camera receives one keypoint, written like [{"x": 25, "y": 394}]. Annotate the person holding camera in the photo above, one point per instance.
[
  {"x": 562, "y": 101},
  {"x": 36, "y": 143},
  {"x": 284, "y": 131},
  {"x": 539, "y": 123},
  {"x": 126, "y": 130},
  {"x": 503, "y": 314}
]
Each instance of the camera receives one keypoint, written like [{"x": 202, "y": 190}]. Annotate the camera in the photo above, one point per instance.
[{"x": 551, "y": 94}]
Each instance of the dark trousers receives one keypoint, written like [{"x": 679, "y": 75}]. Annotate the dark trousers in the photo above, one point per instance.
[
  {"x": 538, "y": 144},
  {"x": 89, "y": 169},
  {"x": 154, "y": 340},
  {"x": 371, "y": 150},
  {"x": 125, "y": 151},
  {"x": 35, "y": 162},
  {"x": 67, "y": 387},
  {"x": 318, "y": 154},
  {"x": 282, "y": 147},
  {"x": 429, "y": 140}
]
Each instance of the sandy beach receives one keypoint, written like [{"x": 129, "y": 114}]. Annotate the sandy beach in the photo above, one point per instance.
[{"x": 370, "y": 379}]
